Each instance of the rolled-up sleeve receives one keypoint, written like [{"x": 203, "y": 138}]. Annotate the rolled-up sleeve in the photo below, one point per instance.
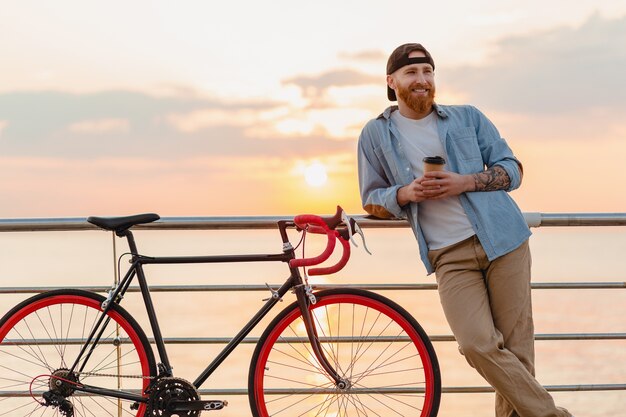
[
  {"x": 378, "y": 194},
  {"x": 495, "y": 150}
]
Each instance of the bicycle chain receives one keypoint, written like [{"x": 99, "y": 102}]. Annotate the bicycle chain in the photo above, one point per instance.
[{"x": 116, "y": 376}]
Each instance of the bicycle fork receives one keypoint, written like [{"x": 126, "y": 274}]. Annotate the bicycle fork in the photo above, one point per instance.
[{"x": 305, "y": 299}]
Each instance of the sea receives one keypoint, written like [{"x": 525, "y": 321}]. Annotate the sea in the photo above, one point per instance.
[{"x": 560, "y": 254}]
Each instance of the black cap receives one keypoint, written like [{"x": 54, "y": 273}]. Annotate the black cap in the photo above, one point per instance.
[{"x": 400, "y": 57}]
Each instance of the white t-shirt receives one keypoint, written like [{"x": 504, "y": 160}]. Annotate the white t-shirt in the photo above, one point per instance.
[{"x": 444, "y": 221}]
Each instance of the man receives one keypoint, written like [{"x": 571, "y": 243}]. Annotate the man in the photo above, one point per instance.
[{"x": 470, "y": 232}]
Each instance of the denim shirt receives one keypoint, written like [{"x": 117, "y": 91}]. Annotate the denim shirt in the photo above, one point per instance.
[{"x": 472, "y": 143}]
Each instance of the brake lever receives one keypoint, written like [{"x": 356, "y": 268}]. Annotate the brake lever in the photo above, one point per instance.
[
  {"x": 353, "y": 227},
  {"x": 347, "y": 220},
  {"x": 358, "y": 230}
]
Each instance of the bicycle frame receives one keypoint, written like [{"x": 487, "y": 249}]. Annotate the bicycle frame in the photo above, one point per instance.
[{"x": 294, "y": 281}]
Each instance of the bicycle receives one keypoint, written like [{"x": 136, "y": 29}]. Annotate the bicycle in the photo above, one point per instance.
[{"x": 335, "y": 352}]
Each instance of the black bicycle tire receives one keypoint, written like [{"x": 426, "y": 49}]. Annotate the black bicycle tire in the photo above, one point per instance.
[{"x": 425, "y": 340}]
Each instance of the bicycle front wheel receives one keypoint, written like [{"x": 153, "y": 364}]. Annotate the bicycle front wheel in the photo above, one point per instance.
[
  {"x": 41, "y": 338},
  {"x": 374, "y": 344}
]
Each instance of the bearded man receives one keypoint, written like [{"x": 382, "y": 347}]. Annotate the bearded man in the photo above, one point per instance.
[{"x": 471, "y": 233}]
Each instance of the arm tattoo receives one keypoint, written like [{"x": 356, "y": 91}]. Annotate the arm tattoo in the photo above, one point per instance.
[{"x": 493, "y": 179}]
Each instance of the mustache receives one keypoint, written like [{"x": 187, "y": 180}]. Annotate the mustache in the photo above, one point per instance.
[{"x": 425, "y": 86}]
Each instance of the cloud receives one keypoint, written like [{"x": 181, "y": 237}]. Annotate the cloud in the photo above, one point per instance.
[
  {"x": 125, "y": 123},
  {"x": 316, "y": 85},
  {"x": 555, "y": 71},
  {"x": 199, "y": 120},
  {"x": 100, "y": 126},
  {"x": 367, "y": 55},
  {"x": 35, "y": 116}
]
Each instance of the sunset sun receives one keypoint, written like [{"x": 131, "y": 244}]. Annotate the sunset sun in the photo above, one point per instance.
[{"x": 315, "y": 174}]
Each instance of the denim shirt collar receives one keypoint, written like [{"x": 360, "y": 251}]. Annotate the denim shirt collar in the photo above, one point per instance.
[{"x": 387, "y": 113}]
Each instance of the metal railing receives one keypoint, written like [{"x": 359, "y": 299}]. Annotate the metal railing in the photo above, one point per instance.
[
  {"x": 269, "y": 222},
  {"x": 534, "y": 219}
]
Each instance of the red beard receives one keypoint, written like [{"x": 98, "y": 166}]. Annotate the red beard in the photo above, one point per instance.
[{"x": 416, "y": 103}]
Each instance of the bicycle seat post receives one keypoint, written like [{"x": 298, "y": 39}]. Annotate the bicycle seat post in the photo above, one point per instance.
[{"x": 130, "y": 239}]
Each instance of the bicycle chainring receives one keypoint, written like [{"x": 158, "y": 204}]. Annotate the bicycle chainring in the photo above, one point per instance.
[{"x": 169, "y": 389}]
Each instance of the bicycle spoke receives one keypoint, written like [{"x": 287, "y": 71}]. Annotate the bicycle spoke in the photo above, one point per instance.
[
  {"x": 289, "y": 366},
  {"x": 371, "y": 366},
  {"x": 100, "y": 366},
  {"x": 81, "y": 410},
  {"x": 392, "y": 397},
  {"x": 356, "y": 398},
  {"x": 293, "y": 380},
  {"x": 42, "y": 356},
  {"x": 12, "y": 411},
  {"x": 327, "y": 403},
  {"x": 371, "y": 373},
  {"x": 15, "y": 369},
  {"x": 302, "y": 392},
  {"x": 101, "y": 407},
  {"x": 29, "y": 352},
  {"x": 308, "y": 349},
  {"x": 295, "y": 403},
  {"x": 363, "y": 340},
  {"x": 356, "y": 358},
  {"x": 356, "y": 401},
  {"x": 67, "y": 337},
  {"x": 328, "y": 347},
  {"x": 304, "y": 359}
]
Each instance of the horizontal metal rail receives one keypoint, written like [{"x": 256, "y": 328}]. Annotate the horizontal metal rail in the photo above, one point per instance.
[
  {"x": 533, "y": 219},
  {"x": 304, "y": 392},
  {"x": 374, "y": 287},
  {"x": 449, "y": 390},
  {"x": 255, "y": 340},
  {"x": 445, "y": 390}
]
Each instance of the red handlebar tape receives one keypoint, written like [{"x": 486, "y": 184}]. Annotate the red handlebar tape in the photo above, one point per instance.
[
  {"x": 339, "y": 265},
  {"x": 315, "y": 224}
]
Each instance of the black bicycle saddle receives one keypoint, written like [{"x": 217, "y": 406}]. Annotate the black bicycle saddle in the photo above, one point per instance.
[{"x": 120, "y": 224}]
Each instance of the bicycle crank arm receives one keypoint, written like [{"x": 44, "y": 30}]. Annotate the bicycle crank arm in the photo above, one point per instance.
[{"x": 209, "y": 405}]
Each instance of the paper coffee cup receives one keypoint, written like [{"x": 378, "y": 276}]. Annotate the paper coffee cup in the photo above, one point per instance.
[{"x": 433, "y": 163}]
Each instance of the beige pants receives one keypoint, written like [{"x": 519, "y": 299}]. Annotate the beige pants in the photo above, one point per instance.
[{"x": 488, "y": 306}]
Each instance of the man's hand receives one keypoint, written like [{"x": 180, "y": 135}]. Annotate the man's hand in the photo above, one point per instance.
[
  {"x": 442, "y": 184},
  {"x": 433, "y": 186},
  {"x": 411, "y": 193}
]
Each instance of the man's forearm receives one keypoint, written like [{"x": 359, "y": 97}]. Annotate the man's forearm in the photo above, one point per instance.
[{"x": 493, "y": 179}]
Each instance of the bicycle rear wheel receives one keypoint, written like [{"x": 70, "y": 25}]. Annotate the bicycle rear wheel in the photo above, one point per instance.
[
  {"x": 40, "y": 339},
  {"x": 374, "y": 344}
]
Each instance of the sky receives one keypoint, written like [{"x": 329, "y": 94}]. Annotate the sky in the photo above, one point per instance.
[{"x": 203, "y": 108}]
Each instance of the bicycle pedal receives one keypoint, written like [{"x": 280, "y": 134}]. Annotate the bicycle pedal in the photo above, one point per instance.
[{"x": 209, "y": 405}]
